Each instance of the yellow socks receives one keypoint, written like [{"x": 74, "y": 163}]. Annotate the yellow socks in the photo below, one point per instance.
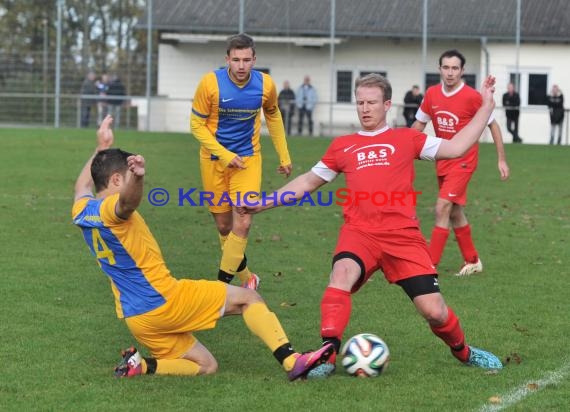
[
  {"x": 264, "y": 324},
  {"x": 171, "y": 366},
  {"x": 233, "y": 256}
]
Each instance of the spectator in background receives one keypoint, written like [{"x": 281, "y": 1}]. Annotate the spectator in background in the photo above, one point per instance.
[
  {"x": 87, "y": 88},
  {"x": 102, "y": 108},
  {"x": 116, "y": 89},
  {"x": 306, "y": 99},
  {"x": 286, "y": 102},
  {"x": 412, "y": 102},
  {"x": 555, "y": 103},
  {"x": 511, "y": 103}
]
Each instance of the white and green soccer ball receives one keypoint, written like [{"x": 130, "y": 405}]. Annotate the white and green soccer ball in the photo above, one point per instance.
[{"x": 365, "y": 355}]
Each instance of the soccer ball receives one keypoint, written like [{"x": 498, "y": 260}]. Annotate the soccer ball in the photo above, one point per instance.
[{"x": 365, "y": 355}]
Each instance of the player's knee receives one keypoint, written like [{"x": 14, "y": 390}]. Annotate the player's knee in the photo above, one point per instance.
[
  {"x": 224, "y": 228},
  {"x": 435, "y": 315},
  {"x": 252, "y": 296},
  {"x": 344, "y": 275},
  {"x": 209, "y": 366},
  {"x": 443, "y": 208},
  {"x": 241, "y": 227}
]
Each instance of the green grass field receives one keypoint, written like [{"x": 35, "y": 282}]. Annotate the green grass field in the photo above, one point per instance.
[{"x": 60, "y": 339}]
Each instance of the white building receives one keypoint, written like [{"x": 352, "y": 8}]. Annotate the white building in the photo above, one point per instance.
[{"x": 293, "y": 39}]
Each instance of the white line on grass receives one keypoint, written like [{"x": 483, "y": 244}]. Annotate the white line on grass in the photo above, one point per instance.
[{"x": 528, "y": 388}]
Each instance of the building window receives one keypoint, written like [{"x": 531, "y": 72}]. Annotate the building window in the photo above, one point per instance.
[
  {"x": 344, "y": 86},
  {"x": 432, "y": 79},
  {"x": 537, "y": 84},
  {"x": 533, "y": 86}
]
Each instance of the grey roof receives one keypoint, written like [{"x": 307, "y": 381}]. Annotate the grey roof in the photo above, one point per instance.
[{"x": 541, "y": 20}]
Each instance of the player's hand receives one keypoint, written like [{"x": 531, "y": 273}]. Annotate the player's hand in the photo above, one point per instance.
[
  {"x": 105, "y": 134},
  {"x": 136, "y": 165},
  {"x": 504, "y": 170},
  {"x": 237, "y": 162},
  {"x": 285, "y": 170},
  {"x": 487, "y": 91},
  {"x": 250, "y": 210}
]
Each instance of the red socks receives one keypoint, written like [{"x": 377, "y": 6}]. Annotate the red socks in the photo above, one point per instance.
[
  {"x": 439, "y": 237},
  {"x": 335, "y": 312},
  {"x": 465, "y": 242},
  {"x": 437, "y": 242},
  {"x": 452, "y": 334}
]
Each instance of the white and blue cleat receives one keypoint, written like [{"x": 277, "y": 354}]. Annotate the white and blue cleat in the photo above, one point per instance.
[{"x": 483, "y": 359}]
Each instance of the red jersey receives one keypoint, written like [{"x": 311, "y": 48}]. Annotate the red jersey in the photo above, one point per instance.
[
  {"x": 379, "y": 173},
  {"x": 449, "y": 113}
]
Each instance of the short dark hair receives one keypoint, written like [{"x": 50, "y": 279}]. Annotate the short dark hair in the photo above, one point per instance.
[
  {"x": 240, "y": 41},
  {"x": 375, "y": 80},
  {"x": 105, "y": 164},
  {"x": 452, "y": 53}
]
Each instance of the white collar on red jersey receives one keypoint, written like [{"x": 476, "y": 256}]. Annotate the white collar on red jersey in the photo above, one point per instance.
[
  {"x": 373, "y": 133},
  {"x": 446, "y": 94}
]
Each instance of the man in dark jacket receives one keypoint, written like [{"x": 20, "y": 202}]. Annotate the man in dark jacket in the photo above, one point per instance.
[
  {"x": 87, "y": 88},
  {"x": 412, "y": 102},
  {"x": 286, "y": 102},
  {"x": 511, "y": 103},
  {"x": 116, "y": 90}
]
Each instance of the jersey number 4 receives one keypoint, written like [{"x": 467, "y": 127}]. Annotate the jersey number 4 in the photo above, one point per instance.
[{"x": 102, "y": 251}]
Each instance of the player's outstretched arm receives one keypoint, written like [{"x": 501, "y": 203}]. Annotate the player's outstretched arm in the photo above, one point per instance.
[
  {"x": 84, "y": 183},
  {"x": 132, "y": 191},
  {"x": 294, "y": 190},
  {"x": 466, "y": 137},
  {"x": 419, "y": 125},
  {"x": 501, "y": 156}
]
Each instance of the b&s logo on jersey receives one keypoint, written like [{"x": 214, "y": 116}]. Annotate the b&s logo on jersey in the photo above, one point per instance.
[
  {"x": 372, "y": 155},
  {"x": 446, "y": 121}
]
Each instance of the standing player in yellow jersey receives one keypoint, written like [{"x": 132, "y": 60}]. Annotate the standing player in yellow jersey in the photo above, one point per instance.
[
  {"x": 162, "y": 312},
  {"x": 226, "y": 119}
]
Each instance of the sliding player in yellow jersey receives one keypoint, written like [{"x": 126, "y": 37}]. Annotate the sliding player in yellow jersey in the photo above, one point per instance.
[
  {"x": 226, "y": 119},
  {"x": 162, "y": 312}
]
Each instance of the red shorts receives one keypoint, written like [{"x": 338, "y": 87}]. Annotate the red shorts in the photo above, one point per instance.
[
  {"x": 453, "y": 187},
  {"x": 400, "y": 253}
]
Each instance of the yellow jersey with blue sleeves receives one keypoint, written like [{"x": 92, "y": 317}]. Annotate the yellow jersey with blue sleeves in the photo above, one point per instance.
[
  {"x": 127, "y": 252},
  {"x": 226, "y": 117}
]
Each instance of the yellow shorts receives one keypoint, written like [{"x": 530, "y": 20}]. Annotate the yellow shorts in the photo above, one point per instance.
[
  {"x": 227, "y": 183},
  {"x": 167, "y": 331}
]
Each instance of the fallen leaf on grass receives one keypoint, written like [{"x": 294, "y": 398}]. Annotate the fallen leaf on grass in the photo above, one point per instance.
[
  {"x": 513, "y": 357},
  {"x": 520, "y": 328},
  {"x": 532, "y": 386},
  {"x": 495, "y": 399},
  {"x": 287, "y": 304}
]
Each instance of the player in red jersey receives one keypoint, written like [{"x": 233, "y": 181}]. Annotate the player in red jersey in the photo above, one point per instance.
[
  {"x": 379, "y": 159},
  {"x": 450, "y": 106}
]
